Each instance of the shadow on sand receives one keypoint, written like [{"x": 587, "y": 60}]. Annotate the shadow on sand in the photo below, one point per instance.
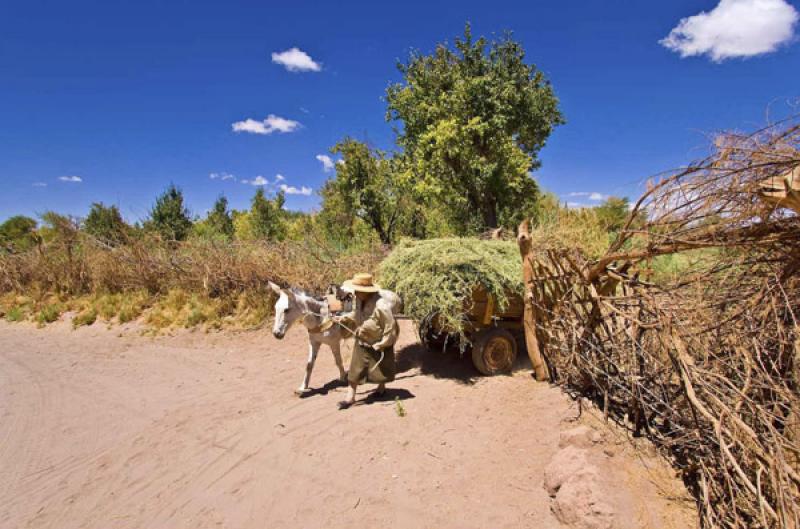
[
  {"x": 329, "y": 386},
  {"x": 448, "y": 364},
  {"x": 389, "y": 395},
  {"x": 438, "y": 364}
]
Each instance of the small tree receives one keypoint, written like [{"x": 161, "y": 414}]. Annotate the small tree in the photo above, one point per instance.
[
  {"x": 219, "y": 220},
  {"x": 473, "y": 122},
  {"x": 613, "y": 213},
  {"x": 169, "y": 217},
  {"x": 58, "y": 228},
  {"x": 106, "y": 223},
  {"x": 266, "y": 216},
  {"x": 18, "y": 234},
  {"x": 366, "y": 186}
]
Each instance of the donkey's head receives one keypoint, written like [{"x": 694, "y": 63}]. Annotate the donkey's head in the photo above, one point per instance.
[{"x": 288, "y": 309}]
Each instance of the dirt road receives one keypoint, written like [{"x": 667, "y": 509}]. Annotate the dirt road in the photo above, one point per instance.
[{"x": 102, "y": 428}]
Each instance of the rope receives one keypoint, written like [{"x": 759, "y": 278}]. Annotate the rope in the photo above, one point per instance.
[{"x": 351, "y": 331}]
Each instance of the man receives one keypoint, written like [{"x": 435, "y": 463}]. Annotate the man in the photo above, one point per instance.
[{"x": 376, "y": 331}]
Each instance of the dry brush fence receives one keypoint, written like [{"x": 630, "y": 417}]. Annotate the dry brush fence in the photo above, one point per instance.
[{"x": 707, "y": 365}]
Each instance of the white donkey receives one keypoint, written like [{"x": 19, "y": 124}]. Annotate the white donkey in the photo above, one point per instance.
[{"x": 294, "y": 305}]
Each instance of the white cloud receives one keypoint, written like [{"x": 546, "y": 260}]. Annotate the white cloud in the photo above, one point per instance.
[
  {"x": 327, "y": 163},
  {"x": 339, "y": 162},
  {"x": 289, "y": 190},
  {"x": 272, "y": 124},
  {"x": 296, "y": 60},
  {"x": 257, "y": 181},
  {"x": 75, "y": 179},
  {"x": 222, "y": 176},
  {"x": 577, "y": 205},
  {"x": 734, "y": 28},
  {"x": 39, "y": 184},
  {"x": 591, "y": 195},
  {"x": 292, "y": 190}
]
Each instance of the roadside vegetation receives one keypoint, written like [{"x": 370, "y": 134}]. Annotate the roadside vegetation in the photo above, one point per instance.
[{"x": 471, "y": 121}]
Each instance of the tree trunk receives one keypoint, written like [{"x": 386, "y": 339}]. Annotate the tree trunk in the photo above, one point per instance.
[
  {"x": 490, "y": 212},
  {"x": 383, "y": 235},
  {"x": 373, "y": 219}
]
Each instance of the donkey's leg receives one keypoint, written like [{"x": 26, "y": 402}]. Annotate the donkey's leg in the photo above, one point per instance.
[
  {"x": 313, "y": 349},
  {"x": 337, "y": 355}
]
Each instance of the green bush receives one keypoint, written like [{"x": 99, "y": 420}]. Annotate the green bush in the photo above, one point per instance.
[
  {"x": 85, "y": 317},
  {"x": 49, "y": 313},
  {"x": 15, "y": 314}
]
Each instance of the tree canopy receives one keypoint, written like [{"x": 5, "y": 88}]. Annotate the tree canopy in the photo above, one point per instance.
[
  {"x": 169, "y": 217},
  {"x": 219, "y": 219},
  {"x": 613, "y": 213},
  {"x": 473, "y": 120},
  {"x": 266, "y": 218},
  {"x": 106, "y": 223},
  {"x": 18, "y": 234},
  {"x": 367, "y": 186}
]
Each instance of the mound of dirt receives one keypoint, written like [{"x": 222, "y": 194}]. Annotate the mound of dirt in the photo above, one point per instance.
[{"x": 594, "y": 488}]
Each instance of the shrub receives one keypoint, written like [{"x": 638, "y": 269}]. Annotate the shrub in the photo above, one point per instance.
[
  {"x": 18, "y": 234},
  {"x": 106, "y": 224},
  {"x": 15, "y": 314},
  {"x": 85, "y": 317},
  {"x": 49, "y": 313}
]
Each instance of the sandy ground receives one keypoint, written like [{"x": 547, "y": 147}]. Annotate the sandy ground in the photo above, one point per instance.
[{"x": 103, "y": 428}]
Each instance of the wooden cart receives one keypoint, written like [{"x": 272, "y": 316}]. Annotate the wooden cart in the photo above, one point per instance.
[{"x": 491, "y": 333}]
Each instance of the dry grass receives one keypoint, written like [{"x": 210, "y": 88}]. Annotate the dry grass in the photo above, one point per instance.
[
  {"x": 212, "y": 284},
  {"x": 439, "y": 275},
  {"x": 571, "y": 228}
]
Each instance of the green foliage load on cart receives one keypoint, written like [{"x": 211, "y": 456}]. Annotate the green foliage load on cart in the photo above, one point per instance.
[{"x": 439, "y": 275}]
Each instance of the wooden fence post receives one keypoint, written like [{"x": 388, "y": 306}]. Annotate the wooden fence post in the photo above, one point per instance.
[{"x": 529, "y": 315}]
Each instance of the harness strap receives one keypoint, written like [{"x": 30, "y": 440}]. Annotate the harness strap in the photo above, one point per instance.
[{"x": 326, "y": 324}]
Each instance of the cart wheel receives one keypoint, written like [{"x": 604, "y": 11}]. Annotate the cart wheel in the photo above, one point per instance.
[
  {"x": 429, "y": 333},
  {"x": 494, "y": 351}
]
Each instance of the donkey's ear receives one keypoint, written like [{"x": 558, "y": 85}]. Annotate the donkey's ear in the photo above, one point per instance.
[{"x": 275, "y": 288}]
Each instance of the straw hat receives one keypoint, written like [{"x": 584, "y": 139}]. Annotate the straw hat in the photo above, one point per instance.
[{"x": 360, "y": 283}]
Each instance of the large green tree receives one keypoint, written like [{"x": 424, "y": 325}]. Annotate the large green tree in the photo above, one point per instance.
[
  {"x": 169, "y": 216},
  {"x": 473, "y": 120},
  {"x": 106, "y": 223}
]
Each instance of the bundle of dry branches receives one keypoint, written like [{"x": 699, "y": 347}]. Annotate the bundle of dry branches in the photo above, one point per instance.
[{"x": 707, "y": 365}]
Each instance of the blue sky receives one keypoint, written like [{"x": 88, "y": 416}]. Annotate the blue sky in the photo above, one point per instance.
[{"x": 130, "y": 96}]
